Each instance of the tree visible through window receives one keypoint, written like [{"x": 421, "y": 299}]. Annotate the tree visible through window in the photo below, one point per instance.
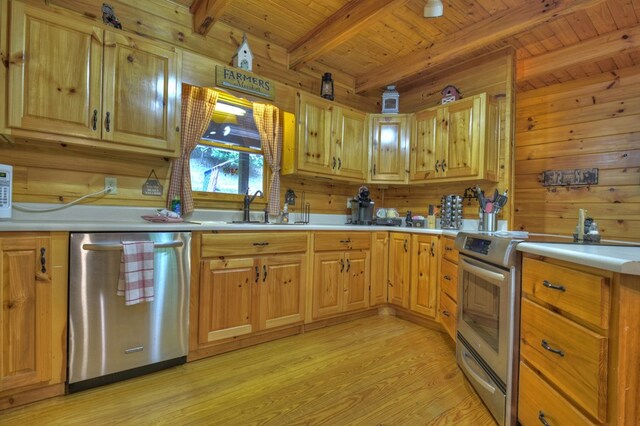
[{"x": 229, "y": 157}]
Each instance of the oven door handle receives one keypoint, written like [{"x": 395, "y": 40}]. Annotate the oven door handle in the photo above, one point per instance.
[
  {"x": 481, "y": 272},
  {"x": 476, "y": 376}
]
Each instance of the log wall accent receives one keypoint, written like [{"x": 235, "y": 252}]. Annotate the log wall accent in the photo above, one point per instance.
[{"x": 593, "y": 122}]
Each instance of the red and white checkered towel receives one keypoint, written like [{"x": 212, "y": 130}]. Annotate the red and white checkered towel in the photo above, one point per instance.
[{"x": 136, "y": 272}]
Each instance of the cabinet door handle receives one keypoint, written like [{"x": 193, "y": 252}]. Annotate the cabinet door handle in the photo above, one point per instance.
[
  {"x": 437, "y": 165},
  {"x": 43, "y": 260},
  {"x": 446, "y": 313},
  {"x": 374, "y": 169},
  {"x": 94, "y": 121},
  {"x": 257, "y": 274},
  {"x": 264, "y": 270},
  {"x": 447, "y": 277},
  {"x": 433, "y": 250},
  {"x": 443, "y": 166},
  {"x": 333, "y": 166},
  {"x": 406, "y": 246},
  {"x": 339, "y": 163},
  {"x": 341, "y": 265},
  {"x": 107, "y": 122},
  {"x": 347, "y": 241},
  {"x": 542, "y": 419},
  {"x": 448, "y": 248},
  {"x": 261, "y": 243},
  {"x": 550, "y": 349},
  {"x": 348, "y": 265},
  {"x": 552, "y": 286}
]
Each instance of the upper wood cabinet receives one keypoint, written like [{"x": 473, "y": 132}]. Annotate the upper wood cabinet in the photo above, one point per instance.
[
  {"x": 77, "y": 82},
  {"x": 456, "y": 142},
  {"x": 33, "y": 291},
  {"x": 330, "y": 141},
  {"x": 389, "y": 142}
]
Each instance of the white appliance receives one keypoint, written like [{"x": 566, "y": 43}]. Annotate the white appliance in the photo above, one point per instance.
[{"x": 6, "y": 183}]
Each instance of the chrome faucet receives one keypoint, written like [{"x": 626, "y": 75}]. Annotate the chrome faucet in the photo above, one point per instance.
[{"x": 248, "y": 199}]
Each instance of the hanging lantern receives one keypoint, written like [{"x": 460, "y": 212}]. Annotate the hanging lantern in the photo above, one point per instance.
[
  {"x": 326, "y": 89},
  {"x": 391, "y": 100}
]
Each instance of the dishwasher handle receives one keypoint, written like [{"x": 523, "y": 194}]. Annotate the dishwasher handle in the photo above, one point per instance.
[{"x": 118, "y": 247}]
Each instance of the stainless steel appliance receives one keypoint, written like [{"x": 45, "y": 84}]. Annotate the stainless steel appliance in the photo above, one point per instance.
[
  {"x": 109, "y": 341},
  {"x": 488, "y": 318}
]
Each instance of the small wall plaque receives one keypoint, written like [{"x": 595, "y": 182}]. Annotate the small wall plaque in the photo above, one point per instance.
[
  {"x": 569, "y": 177},
  {"x": 152, "y": 186}
]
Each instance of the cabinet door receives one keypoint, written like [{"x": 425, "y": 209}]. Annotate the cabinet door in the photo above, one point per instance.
[
  {"x": 379, "y": 268},
  {"x": 424, "y": 146},
  {"x": 350, "y": 148},
  {"x": 328, "y": 269},
  {"x": 141, "y": 91},
  {"x": 227, "y": 290},
  {"x": 389, "y": 136},
  {"x": 54, "y": 73},
  {"x": 461, "y": 137},
  {"x": 424, "y": 275},
  {"x": 356, "y": 281},
  {"x": 399, "y": 263},
  {"x": 314, "y": 129},
  {"x": 26, "y": 324},
  {"x": 281, "y": 290}
]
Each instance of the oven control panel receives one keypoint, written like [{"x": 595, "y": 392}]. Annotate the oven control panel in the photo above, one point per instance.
[{"x": 477, "y": 245}]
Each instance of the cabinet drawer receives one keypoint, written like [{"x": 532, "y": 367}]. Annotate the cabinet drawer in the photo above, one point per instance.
[
  {"x": 448, "y": 314},
  {"x": 234, "y": 244},
  {"x": 537, "y": 401},
  {"x": 328, "y": 241},
  {"x": 579, "y": 293},
  {"x": 569, "y": 355},
  {"x": 450, "y": 253},
  {"x": 449, "y": 279}
]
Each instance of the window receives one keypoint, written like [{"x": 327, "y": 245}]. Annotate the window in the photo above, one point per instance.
[{"x": 229, "y": 158}]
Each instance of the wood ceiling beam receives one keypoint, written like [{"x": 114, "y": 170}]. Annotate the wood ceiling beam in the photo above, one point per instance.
[
  {"x": 494, "y": 29},
  {"x": 206, "y": 12},
  {"x": 338, "y": 28},
  {"x": 587, "y": 51}
]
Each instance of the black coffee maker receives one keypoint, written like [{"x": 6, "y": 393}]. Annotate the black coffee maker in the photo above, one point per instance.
[{"x": 362, "y": 208}]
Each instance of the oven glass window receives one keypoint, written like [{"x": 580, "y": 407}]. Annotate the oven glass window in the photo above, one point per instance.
[{"x": 481, "y": 308}]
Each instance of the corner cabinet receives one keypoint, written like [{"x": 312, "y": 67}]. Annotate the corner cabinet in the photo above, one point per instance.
[
  {"x": 250, "y": 282},
  {"x": 389, "y": 143},
  {"x": 456, "y": 142},
  {"x": 113, "y": 90},
  {"x": 330, "y": 141},
  {"x": 33, "y": 290}
]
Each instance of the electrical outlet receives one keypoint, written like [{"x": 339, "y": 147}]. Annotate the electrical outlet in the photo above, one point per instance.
[{"x": 111, "y": 183}]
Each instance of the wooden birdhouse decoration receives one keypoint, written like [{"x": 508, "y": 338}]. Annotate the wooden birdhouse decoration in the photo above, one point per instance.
[
  {"x": 391, "y": 100},
  {"x": 450, "y": 94},
  {"x": 243, "y": 58}
]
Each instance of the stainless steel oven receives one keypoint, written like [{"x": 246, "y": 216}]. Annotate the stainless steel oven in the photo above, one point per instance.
[{"x": 488, "y": 318}]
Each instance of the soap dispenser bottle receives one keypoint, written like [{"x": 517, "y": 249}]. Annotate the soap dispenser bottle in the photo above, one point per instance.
[{"x": 285, "y": 213}]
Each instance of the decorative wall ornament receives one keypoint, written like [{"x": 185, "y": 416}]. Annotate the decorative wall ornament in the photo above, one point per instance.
[
  {"x": 569, "y": 177},
  {"x": 391, "y": 100},
  {"x": 109, "y": 16},
  {"x": 243, "y": 58},
  {"x": 245, "y": 82},
  {"x": 326, "y": 87},
  {"x": 152, "y": 185},
  {"x": 450, "y": 94}
]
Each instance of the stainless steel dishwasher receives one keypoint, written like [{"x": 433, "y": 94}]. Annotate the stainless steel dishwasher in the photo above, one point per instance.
[{"x": 109, "y": 341}]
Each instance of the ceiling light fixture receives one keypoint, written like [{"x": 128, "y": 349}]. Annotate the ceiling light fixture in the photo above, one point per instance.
[
  {"x": 229, "y": 109},
  {"x": 433, "y": 9}
]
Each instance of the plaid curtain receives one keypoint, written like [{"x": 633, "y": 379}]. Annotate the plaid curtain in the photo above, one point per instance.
[
  {"x": 267, "y": 118},
  {"x": 197, "y": 108}
]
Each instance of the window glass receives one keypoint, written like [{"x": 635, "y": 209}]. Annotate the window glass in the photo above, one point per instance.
[{"x": 229, "y": 158}]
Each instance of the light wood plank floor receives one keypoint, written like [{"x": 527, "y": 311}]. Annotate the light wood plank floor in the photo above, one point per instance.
[{"x": 378, "y": 370}]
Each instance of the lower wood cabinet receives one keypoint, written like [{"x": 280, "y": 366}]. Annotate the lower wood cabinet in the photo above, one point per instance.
[
  {"x": 399, "y": 268},
  {"x": 448, "y": 279},
  {"x": 424, "y": 274},
  {"x": 33, "y": 292},
  {"x": 340, "y": 273},
  {"x": 379, "y": 268},
  {"x": 260, "y": 290}
]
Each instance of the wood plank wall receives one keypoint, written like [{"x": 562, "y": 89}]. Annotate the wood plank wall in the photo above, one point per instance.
[
  {"x": 493, "y": 74},
  {"x": 588, "y": 123}
]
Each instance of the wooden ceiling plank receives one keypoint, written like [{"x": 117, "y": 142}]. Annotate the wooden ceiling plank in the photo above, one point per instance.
[
  {"x": 206, "y": 12},
  {"x": 491, "y": 30},
  {"x": 339, "y": 27},
  {"x": 586, "y": 53}
]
